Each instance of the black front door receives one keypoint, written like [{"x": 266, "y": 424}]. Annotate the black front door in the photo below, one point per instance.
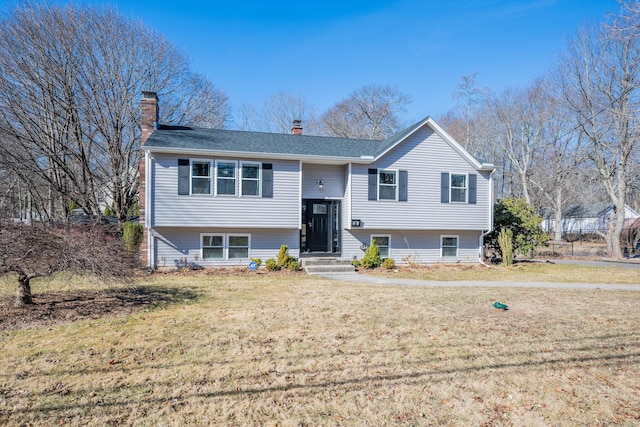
[{"x": 318, "y": 225}]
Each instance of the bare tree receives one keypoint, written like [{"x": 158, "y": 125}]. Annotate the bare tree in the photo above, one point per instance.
[
  {"x": 521, "y": 115},
  {"x": 555, "y": 171},
  {"x": 46, "y": 249},
  {"x": 600, "y": 78},
  {"x": 247, "y": 118},
  {"x": 371, "y": 112},
  {"x": 468, "y": 95},
  {"x": 281, "y": 109},
  {"x": 70, "y": 82}
]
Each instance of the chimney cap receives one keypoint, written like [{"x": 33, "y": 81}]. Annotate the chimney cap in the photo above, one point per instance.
[
  {"x": 146, "y": 94},
  {"x": 297, "y": 128}
]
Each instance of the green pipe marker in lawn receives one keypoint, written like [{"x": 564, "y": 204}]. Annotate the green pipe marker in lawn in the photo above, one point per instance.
[{"x": 500, "y": 306}]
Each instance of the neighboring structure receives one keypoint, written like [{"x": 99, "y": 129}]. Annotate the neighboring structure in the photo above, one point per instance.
[
  {"x": 220, "y": 197},
  {"x": 585, "y": 219}
]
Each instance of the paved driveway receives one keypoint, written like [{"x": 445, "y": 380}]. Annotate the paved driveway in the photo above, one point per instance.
[
  {"x": 377, "y": 280},
  {"x": 634, "y": 263}
]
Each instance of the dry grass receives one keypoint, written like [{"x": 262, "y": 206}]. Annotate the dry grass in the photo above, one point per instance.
[
  {"x": 294, "y": 350},
  {"x": 520, "y": 272}
]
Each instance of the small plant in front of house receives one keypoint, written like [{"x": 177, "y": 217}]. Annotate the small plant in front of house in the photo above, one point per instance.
[
  {"x": 132, "y": 235},
  {"x": 272, "y": 265},
  {"x": 287, "y": 261},
  {"x": 293, "y": 264},
  {"x": 388, "y": 263},
  {"x": 283, "y": 256},
  {"x": 371, "y": 258},
  {"x": 258, "y": 261},
  {"x": 505, "y": 241},
  {"x": 356, "y": 262}
]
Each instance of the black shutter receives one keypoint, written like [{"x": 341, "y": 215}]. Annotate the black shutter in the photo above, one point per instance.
[
  {"x": 373, "y": 184},
  {"x": 183, "y": 176},
  {"x": 473, "y": 184},
  {"x": 267, "y": 180},
  {"x": 403, "y": 190},
  {"x": 444, "y": 187}
]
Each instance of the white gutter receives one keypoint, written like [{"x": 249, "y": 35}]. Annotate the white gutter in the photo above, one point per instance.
[{"x": 276, "y": 156}]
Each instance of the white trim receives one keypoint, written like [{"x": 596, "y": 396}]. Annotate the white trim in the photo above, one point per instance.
[
  {"x": 202, "y": 235},
  {"x": 191, "y": 177},
  {"x": 225, "y": 245},
  {"x": 388, "y": 236},
  {"x": 235, "y": 178},
  {"x": 228, "y": 246},
  {"x": 328, "y": 160},
  {"x": 466, "y": 187},
  {"x": 259, "y": 180},
  {"x": 299, "y": 195},
  {"x": 349, "y": 195},
  {"x": 444, "y": 236},
  {"x": 147, "y": 207},
  {"x": 395, "y": 185}
]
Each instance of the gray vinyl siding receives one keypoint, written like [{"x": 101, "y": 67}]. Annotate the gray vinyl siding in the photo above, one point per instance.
[
  {"x": 332, "y": 176},
  {"x": 170, "y": 209},
  {"x": 421, "y": 247},
  {"x": 174, "y": 243},
  {"x": 425, "y": 156}
]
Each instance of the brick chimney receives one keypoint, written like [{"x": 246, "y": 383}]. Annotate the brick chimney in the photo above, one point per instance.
[
  {"x": 149, "y": 107},
  {"x": 297, "y": 128},
  {"x": 150, "y": 114}
]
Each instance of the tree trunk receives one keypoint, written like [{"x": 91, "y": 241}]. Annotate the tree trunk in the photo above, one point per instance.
[
  {"x": 559, "y": 228},
  {"x": 23, "y": 296}
]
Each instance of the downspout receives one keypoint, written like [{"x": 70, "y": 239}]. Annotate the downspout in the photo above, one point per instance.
[
  {"x": 148, "y": 212},
  {"x": 483, "y": 234}
]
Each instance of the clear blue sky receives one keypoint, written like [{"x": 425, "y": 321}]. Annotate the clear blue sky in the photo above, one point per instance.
[{"x": 323, "y": 50}]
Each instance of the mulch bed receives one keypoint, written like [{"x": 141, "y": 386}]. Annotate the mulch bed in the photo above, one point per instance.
[{"x": 54, "y": 308}]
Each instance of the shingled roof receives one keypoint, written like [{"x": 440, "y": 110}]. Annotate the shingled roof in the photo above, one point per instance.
[
  {"x": 195, "y": 141},
  {"x": 220, "y": 141}
]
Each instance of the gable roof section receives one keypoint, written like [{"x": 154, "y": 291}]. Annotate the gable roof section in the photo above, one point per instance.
[
  {"x": 398, "y": 138},
  {"x": 320, "y": 149}
]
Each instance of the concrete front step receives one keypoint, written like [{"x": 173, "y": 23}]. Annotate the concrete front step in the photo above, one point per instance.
[
  {"x": 325, "y": 269},
  {"x": 327, "y": 265}
]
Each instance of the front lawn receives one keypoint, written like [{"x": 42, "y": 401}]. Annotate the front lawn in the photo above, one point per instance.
[{"x": 296, "y": 350}]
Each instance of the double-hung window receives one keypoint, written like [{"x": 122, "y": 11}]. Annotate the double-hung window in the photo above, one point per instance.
[
  {"x": 449, "y": 246},
  {"x": 200, "y": 177},
  {"x": 250, "y": 182},
  {"x": 225, "y": 246},
  {"x": 384, "y": 244},
  {"x": 213, "y": 246},
  {"x": 226, "y": 178},
  {"x": 459, "y": 188},
  {"x": 387, "y": 185},
  {"x": 238, "y": 245}
]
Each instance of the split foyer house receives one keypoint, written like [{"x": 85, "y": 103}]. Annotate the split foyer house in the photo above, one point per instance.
[{"x": 221, "y": 197}]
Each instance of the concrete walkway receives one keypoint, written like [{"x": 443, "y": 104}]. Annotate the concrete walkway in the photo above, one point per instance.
[{"x": 377, "y": 280}]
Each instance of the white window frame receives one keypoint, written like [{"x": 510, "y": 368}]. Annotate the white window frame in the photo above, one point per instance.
[
  {"x": 192, "y": 177},
  {"x": 395, "y": 185},
  {"x": 235, "y": 178},
  {"x": 202, "y": 247},
  {"x": 228, "y": 245},
  {"x": 225, "y": 245},
  {"x": 442, "y": 246},
  {"x": 465, "y": 188},
  {"x": 388, "y": 237},
  {"x": 258, "y": 180}
]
